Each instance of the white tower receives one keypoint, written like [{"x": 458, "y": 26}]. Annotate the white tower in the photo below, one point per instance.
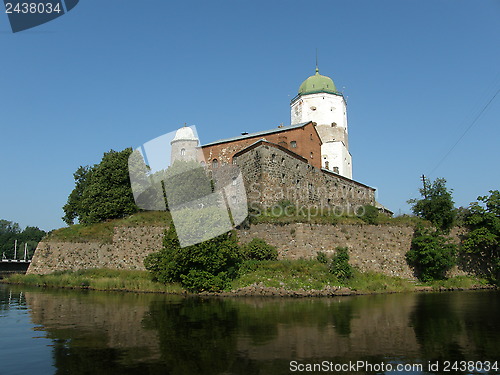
[
  {"x": 185, "y": 146},
  {"x": 319, "y": 101}
]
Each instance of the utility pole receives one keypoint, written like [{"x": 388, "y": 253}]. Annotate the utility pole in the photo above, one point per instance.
[
  {"x": 25, "y": 250},
  {"x": 15, "y": 249},
  {"x": 425, "y": 187}
]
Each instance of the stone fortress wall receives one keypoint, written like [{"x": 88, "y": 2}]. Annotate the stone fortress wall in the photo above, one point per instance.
[
  {"x": 273, "y": 174},
  {"x": 378, "y": 248}
]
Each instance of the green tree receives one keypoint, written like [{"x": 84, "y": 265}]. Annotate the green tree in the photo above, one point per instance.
[
  {"x": 483, "y": 238},
  {"x": 340, "y": 266},
  {"x": 73, "y": 209},
  {"x": 205, "y": 266},
  {"x": 10, "y": 232},
  {"x": 431, "y": 254},
  {"x": 185, "y": 181},
  {"x": 436, "y": 204},
  {"x": 101, "y": 192},
  {"x": 259, "y": 249}
]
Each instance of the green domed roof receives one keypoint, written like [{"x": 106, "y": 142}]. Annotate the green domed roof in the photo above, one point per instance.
[{"x": 317, "y": 83}]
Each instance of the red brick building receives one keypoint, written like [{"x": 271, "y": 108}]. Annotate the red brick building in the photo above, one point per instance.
[{"x": 301, "y": 139}]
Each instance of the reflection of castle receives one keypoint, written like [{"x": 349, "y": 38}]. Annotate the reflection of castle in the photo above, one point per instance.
[{"x": 307, "y": 162}]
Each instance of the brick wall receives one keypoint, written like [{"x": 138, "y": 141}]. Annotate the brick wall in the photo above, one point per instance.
[{"x": 307, "y": 144}]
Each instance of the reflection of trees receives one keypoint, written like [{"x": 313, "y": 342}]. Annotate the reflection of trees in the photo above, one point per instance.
[
  {"x": 74, "y": 360},
  {"x": 342, "y": 314},
  {"x": 196, "y": 336},
  {"x": 482, "y": 324},
  {"x": 457, "y": 326},
  {"x": 437, "y": 326}
]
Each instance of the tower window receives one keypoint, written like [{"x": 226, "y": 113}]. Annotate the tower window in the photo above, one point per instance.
[
  {"x": 312, "y": 155},
  {"x": 334, "y": 124},
  {"x": 183, "y": 151},
  {"x": 215, "y": 163},
  {"x": 311, "y": 137},
  {"x": 327, "y": 166},
  {"x": 293, "y": 144}
]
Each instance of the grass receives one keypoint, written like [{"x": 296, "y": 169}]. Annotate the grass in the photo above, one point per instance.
[
  {"x": 103, "y": 232},
  {"x": 285, "y": 214},
  {"x": 293, "y": 275},
  {"x": 457, "y": 282},
  {"x": 311, "y": 274},
  {"x": 98, "y": 279},
  {"x": 288, "y": 274}
]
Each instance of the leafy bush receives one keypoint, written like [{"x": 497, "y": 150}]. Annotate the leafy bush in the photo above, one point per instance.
[
  {"x": 368, "y": 213},
  {"x": 321, "y": 257},
  {"x": 482, "y": 218},
  {"x": 259, "y": 249},
  {"x": 431, "y": 254},
  {"x": 205, "y": 266},
  {"x": 339, "y": 266},
  {"x": 437, "y": 204},
  {"x": 199, "y": 280}
]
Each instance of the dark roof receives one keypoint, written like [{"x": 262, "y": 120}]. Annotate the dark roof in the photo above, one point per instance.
[
  {"x": 346, "y": 178},
  {"x": 257, "y": 134}
]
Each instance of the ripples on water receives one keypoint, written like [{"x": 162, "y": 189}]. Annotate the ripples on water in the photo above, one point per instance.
[{"x": 69, "y": 332}]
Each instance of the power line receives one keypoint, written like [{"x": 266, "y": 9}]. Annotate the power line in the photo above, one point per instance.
[{"x": 465, "y": 132}]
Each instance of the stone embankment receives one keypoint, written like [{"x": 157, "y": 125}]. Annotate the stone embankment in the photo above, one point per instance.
[{"x": 376, "y": 248}]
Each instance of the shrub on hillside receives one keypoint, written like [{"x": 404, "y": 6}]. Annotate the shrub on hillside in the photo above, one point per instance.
[
  {"x": 339, "y": 265},
  {"x": 259, "y": 249},
  {"x": 205, "y": 266},
  {"x": 368, "y": 213},
  {"x": 322, "y": 257},
  {"x": 431, "y": 254}
]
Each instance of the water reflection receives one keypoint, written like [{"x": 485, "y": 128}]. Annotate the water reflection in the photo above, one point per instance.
[{"x": 102, "y": 333}]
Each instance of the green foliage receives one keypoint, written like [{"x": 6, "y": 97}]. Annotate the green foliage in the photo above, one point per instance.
[
  {"x": 101, "y": 192},
  {"x": 97, "y": 279},
  {"x": 321, "y": 257},
  {"x": 10, "y": 232},
  {"x": 103, "y": 232},
  {"x": 289, "y": 274},
  {"x": 436, "y": 204},
  {"x": 431, "y": 254},
  {"x": 185, "y": 181},
  {"x": 339, "y": 265},
  {"x": 205, "y": 266},
  {"x": 259, "y": 249},
  {"x": 483, "y": 238},
  {"x": 369, "y": 214}
]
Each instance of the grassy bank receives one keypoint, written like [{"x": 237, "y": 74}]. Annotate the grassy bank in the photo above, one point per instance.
[
  {"x": 97, "y": 279},
  {"x": 311, "y": 274},
  {"x": 103, "y": 232},
  {"x": 286, "y": 274}
]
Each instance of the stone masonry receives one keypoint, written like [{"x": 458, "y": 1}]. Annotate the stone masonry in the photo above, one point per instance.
[{"x": 273, "y": 174}]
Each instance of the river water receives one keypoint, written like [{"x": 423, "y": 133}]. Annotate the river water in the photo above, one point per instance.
[{"x": 77, "y": 332}]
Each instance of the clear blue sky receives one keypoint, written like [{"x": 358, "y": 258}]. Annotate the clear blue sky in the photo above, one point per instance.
[{"x": 116, "y": 73}]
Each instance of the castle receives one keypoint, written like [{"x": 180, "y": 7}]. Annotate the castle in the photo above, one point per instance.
[{"x": 307, "y": 163}]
